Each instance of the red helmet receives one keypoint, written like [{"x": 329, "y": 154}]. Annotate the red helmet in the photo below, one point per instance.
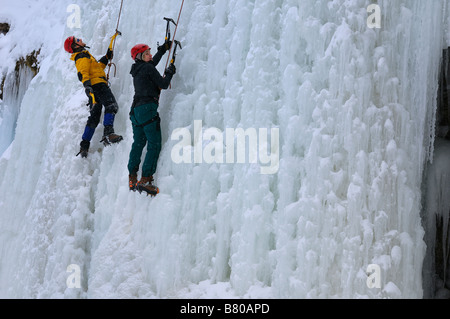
[
  {"x": 138, "y": 48},
  {"x": 68, "y": 44}
]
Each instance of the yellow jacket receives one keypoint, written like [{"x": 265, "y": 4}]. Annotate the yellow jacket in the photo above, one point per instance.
[{"x": 89, "y": 69}]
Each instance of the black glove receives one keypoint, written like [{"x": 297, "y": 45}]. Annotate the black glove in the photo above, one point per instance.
[
  {"x": 88, "y": 90},
  {"x": 90, "y": 93},
  {"x": 109, "y": 54},
  {"x": 171, "y": 69},
  {"x": 166, "y": 46}
]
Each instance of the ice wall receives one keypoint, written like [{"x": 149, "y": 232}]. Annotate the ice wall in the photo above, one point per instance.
[
  {"x": 16, "y": 84},
  {"x": 354, "y": 107}
]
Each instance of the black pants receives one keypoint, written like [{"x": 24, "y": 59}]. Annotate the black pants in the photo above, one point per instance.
[{"x": 104, "y": 98}]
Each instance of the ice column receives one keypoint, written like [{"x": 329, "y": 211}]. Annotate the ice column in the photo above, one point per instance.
[{"x": 16, "y": 84}]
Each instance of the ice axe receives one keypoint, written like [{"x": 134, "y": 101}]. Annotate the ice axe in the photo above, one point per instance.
[
  {"x": 169, "y": 20},
  {"x": 112, "y": 44},
  {"x": 177, "y": 43},
  {"x": 113, "y": 39}
]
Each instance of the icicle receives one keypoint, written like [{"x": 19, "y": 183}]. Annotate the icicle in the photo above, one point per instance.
[{"x": 16, "y": 84}]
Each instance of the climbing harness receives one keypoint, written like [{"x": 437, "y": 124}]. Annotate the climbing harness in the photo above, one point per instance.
[{"x": 113, "y": 43}]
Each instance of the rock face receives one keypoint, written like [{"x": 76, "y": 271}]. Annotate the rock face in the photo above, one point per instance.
[{"x": 4, "y": 27}]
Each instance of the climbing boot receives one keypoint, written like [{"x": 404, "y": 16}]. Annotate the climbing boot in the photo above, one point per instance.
[
  {"x": 109, "y": 137},
  {"x": 132, "y": 182},
  {"x": 146, "y": 185},
  {"x": 84, "y": 148}
]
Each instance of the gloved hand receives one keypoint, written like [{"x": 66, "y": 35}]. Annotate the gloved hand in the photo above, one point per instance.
[
  {"x": 88, "y": 90},
  {"x": 166, "y": 46},
  {"x": 90, "y": 93},
  {"x": 109, "y": 54},
  {"x": 171, "y": 69}
]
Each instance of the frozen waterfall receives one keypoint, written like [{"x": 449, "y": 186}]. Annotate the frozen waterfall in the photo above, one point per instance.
[{"x": 348, "y": 112}]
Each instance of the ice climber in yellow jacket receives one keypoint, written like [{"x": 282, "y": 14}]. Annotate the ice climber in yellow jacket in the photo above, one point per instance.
[{"x": 91, "y": 73}]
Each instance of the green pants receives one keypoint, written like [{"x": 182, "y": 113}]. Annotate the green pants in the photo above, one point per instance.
[{"x": 146, "y": 131}]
